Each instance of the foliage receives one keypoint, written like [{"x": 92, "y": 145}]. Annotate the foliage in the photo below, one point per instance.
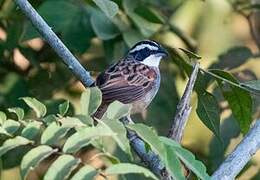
[
  {"x": 99, "y": 32},
  {"x": 54, "y": 139}
]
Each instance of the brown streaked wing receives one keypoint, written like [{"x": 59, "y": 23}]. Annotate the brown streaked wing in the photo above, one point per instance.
[{"x": 126, "y": 88}]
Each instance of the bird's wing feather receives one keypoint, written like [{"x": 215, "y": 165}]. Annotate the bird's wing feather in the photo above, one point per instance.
[{"x": 126, "y": 81}]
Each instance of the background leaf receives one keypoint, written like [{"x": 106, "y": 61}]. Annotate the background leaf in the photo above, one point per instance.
[
  {"x": 209, "y": 112},
  {"x": 90, "y": 100},
  {"x": 108, "y": 7},
  {"x": 36, "y": 105},
  {"x": 18, "y": 111},
  {"x": 127, "y": 168},
  {"x": 61, "y": 168},
  {"x": 32, "y": 159}
]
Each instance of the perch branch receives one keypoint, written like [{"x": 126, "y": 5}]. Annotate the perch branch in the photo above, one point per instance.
[
  {"x": 53, "y": 40},
  {"x": 235, "y": 162},
  {"x": 183, "y": 108}
]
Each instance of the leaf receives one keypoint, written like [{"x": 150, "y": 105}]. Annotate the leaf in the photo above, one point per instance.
[
  {"x": 252, "y": 85},
  {"x": 131, "y": 37},
  {"x": 64, "y": 107},
  {"x": 90, "y": 100},
  {"x": 194, "y": 165},
  {"x": 86, "y": 172},
  {"x": 120, "y": 134},
  {"x": 82, "y": 138},
  {"x": 150, "y": 137},
  {"x": 53, "y": 133},
  {"x": 209, "y": 112},
  {"x": 173, "y": 164},
  {"x": 127, "y": 168},
  {"x": 32, "y": 130},
  {"x": 234, "y": 57},
  {"x": 2, "y": 117},
  {"x": 102, "y": 26},
  {"x": 11, "y": 126},
  {"x": 117, "y": 110},
  {"x": 190, "y": 54},
  {"x": 18, "y": 111},
  {"x": 13, "y": 143},
  {"x": 108, "y": 7},
  {"x": 61, "y": 168},
  {"x": 33, "y": 158},
  {"x": 146, "y": 27},
  {"x": 36, "y": 105},
  {"x": 187, "y": 158},
  {"x": 49, "y": 119},
  {"x": 71, "y": 122},
  {"x": 58, "y": 14},
  {"x": 239, "y": 100}
]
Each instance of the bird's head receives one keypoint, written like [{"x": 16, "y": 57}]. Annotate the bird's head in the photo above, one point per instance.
[{"x": 148, "y": 52}]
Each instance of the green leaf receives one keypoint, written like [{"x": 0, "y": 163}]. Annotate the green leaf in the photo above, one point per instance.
[
  {"x": 102, "y": 26},
  {"x": 13, "y": 143},
  {"x": 209, "y": 112},
  {"x": 190, "y": 54},
  {"x": 53, "y": 133},
  {"x": 58, "y": 14},
  {"x": 146, "y": 27},
  {"x": 131, "y": 37},
  {"x": 82, "y": 138},
  {"x": 32, "y": 130},
  {"x": 64, "y": 107},
  {"x": 117, "y": 110},
  {"x": 239, "y": 100},
  {"x": 2, "y": 117},
  {"x": 49, "y": 119},
  {"x": 86, "y": 172},
  {"x": 71, "y": 122},
  {"x": 121, "y": 135},
  {"x": 252, "y": 85},
  {"x": 90, "y": 100},
  {"x": 33, "y": 158},
  {"x": 194, "y": 165},
  {"x": 108, "y": 7},
  {"x": 11, "y": 126},
  {"x": 150, "y": 137},
  {"x": 18, "y": 111},
  {"x": 173, "y": 164},
  {"x": 187, "y": 158},
  {"x": 127, "y": 168},
  {"x": 61, "y": 168},
  {"x": 232, "y": 58},
  {"x": 36, "y": 105}
]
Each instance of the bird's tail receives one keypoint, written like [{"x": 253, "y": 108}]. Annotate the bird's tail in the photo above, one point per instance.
[{"x": 100, "y": 111}]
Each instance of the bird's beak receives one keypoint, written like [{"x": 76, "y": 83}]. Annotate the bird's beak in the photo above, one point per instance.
[{"x": 163, "y": 52}]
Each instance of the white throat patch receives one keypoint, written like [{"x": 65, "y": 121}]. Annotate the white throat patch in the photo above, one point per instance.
[
  {"x": 142, "y": 46},
  {"x": 152, "y": 60}
]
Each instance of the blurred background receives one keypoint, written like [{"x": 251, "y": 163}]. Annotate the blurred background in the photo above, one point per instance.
[{"x": 219, "y": 31}]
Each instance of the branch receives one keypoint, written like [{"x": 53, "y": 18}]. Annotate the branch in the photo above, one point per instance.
[
  {"x": 53, "y": 40},
  {"x": 235, "y": 162},
  {"x": 183, "y": 108}
]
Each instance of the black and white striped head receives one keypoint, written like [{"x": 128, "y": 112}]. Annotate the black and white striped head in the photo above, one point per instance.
[{"x": 148, "y": 52}]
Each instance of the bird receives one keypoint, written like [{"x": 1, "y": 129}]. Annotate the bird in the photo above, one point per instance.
[{"x": 134, "y": 79}]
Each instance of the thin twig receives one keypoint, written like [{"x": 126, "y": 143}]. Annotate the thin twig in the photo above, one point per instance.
[
  {"x": 235, "y": 162},
  {"x": 183, "y": 108}
]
